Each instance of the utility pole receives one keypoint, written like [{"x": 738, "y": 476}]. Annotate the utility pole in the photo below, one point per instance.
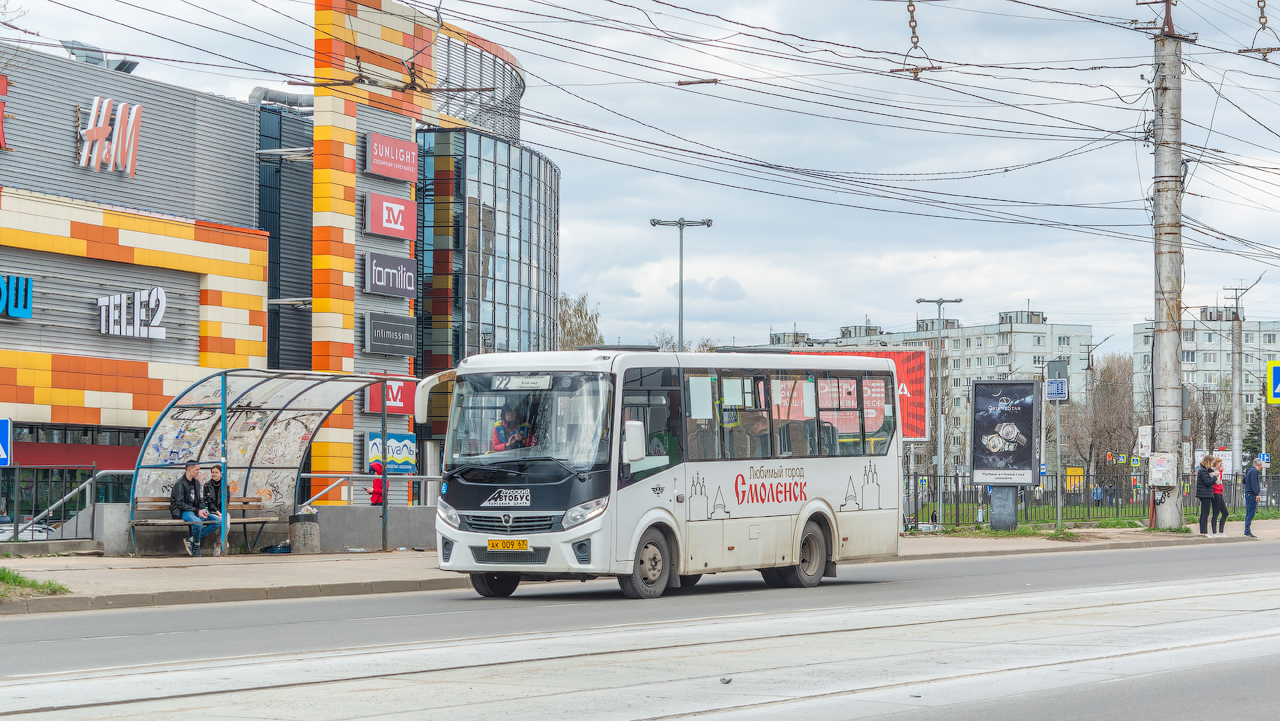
[
  {"x": 1166, "y": 369},
  {"x": 1237, "y": 381},
  {"x": 1088, "y": 398},
  {"x": 937, "y": 456},
  {"x": 681, "y": 224}
]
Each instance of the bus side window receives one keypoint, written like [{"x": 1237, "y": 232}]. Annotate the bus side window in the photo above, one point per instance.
[
  {"x": 840, "y": 424},
  {"x": 795, "y": 414},
  {"x": 744, "y": 414},
  {"x": 878, "y": 396},
  {"x": 652, "y": 396},
  {"x": 702, "y": 417}
]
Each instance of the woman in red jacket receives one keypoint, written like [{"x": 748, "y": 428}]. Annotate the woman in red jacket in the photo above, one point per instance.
[{"x": 1219, "y": 505}]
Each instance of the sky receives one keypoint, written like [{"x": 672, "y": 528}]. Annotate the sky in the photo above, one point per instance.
[{"x": 840, "y": 191}]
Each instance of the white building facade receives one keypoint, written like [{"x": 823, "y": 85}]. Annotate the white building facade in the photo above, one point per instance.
[{"x": 1016, "y": 347}]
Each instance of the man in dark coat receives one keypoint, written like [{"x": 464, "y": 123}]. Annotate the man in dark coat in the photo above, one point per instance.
[{"x": 1252, "y": 489}]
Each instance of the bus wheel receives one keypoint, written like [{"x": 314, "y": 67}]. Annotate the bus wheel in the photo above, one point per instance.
[
  {"x": 813, "y": 559},
  {"x": 772, "y": 577},
  {"x": 648, "y": 577},
  {"x": 495, "y": 585},
  {"x": 690, "y": 581}
]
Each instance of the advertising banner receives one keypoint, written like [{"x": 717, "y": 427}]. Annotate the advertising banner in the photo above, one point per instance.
[
  {"x": 402, "y": 451},
  {"x": 390, "y": 275},
  {"x": 400, "y": 395},
  {"x": 391, "y": 158},
  {"x": 390, "y": 334},
  {"x": 392, "y": 217},
  {"x": 913, "y": 385},
  {"x": 1006, "y": 433}
]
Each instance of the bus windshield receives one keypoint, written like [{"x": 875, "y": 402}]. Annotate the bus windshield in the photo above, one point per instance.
[{"x": 526, "y": 416}]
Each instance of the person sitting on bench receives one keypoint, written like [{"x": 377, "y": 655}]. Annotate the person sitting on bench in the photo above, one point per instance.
[{"x": 187, "y": 502}]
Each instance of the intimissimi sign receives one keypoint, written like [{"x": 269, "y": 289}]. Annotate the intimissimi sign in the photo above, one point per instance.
[{"x": 111, "y": 139}]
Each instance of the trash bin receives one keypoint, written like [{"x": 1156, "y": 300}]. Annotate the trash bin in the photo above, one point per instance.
[{"x": 304, "y": 533}]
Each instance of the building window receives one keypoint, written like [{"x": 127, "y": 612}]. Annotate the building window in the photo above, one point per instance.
[
  {"x": 968, "y": 362},
  {"x": 1064, "y": 340},
  {"x": 1248, "y": 398},
  {"x": 1189, "y": 336},
  {"x": 991, "y": 361},
  {"x": 957, "y": 382},
  {"x": 1187, "y": 377},
  {"x": 990, "y": 341},
  {"x": 1248, "y": 337},
  {"x": 955, "y": 420},
  {"x": 979, "y": 343},
  {"x": 968, "y": 342},
  {"x": 956, "y": 402},
  {"x": 955, "y": 441},
  {"x": 1268, "y": 337},
  {"x": 955, "y": 344},
  {"x": 957, "y": 460},
  {"x": 1208, "y": 337},
  {"x": 1208, "y": 357},
  {"x": 1271, "y": 356},
  {"x": 1210, "y": 378},
  {"x": 1146, "y": 360},
  {"x": 1037, "y": 340},
  {"x": 1037, "y": 360},
  {"x": 1146, "y": 340},
  {"x": 955, "y": 363},
  {"x": 1188, "y": 356}
]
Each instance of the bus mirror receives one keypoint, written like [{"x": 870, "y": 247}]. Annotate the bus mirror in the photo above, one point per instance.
[{"x": 634, "y": 441}]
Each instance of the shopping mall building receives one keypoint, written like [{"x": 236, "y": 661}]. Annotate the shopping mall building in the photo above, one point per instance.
[{"x": 151, "y": 234}]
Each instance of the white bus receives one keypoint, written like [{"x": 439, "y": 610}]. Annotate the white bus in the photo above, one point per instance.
[{"x": 657, "y": 468}]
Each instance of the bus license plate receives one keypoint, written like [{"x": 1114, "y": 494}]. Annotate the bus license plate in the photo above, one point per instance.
[{"x": 508, "y": 544}]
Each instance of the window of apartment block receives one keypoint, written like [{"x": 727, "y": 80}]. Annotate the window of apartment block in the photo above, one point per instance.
[
  {"x": 1189, "y": 336},
  {"x": 1271, "y": 356},
  {"x": 1248, "y": 398},
  {"x": 1208, "y": 357},
  {"x": 1268, "y": 337},
  {"x": 1037, "y": 340},
  {"x": 978, "y": 343},
  {"x": 955, "y": 363},
  {"x": 1064, "y": 340},
  {"x": 968, "y": 342},
  {"x": 991, "y": 361},
  {"x": 955, "y": 344},
  {"x": 1037, "y": 360},
  {"x": 1210, "y": 378},
  {"x": 990, "y": 341},
  {"x": 956, "y": 402},
  {"x": 1146, "y": 340},
  {"x": 957, "y": 382},
  {"x": 1006, "y": 338},
  {"x": 968, "y": 362},
  {"x": 1188, "y": 356},
  {"x": 956, "y": 441},
  {"x": 1146, "y": 360},
  {"x": 1208, "y": 337},
  {"x": 1248, "y": 337},
  {"x": 1187, "y": 377}
]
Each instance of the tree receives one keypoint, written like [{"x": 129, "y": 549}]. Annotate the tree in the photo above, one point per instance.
[
  {"x": 579, "y": 322},
  {"x": 1103, "y": 421},
  {"x": 665, "y": 340}
]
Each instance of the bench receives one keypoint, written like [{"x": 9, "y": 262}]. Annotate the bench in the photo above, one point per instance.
[{"x": 243, "y": 504}]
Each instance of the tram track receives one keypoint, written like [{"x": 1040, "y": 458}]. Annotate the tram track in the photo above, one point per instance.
[{"x": 626, "y": 641}]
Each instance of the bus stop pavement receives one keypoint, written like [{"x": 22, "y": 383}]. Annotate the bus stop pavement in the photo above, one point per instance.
[{"x": 102, "y": 582}]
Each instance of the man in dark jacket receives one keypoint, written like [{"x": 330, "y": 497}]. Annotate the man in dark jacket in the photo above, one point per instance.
[
  {"x": 187, "y": 502},
  {"x": 1205, "y": 478},
  {"x": 1252, "y": 489}
]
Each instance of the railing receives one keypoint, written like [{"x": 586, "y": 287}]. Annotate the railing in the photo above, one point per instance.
[
  {"x": 402, "y": 490},
  {"x": 70, "y": 516},
  {"x": 953, "y": 500}
]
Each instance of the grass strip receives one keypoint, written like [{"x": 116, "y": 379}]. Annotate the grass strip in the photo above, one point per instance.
[{"x": 14, "y": 584}]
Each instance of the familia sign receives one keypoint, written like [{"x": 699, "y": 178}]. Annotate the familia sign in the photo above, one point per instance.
[
  {"x": 111, "y": 139},
  {"x": 390, "y": 275},
  {"x": 1006, "y": 433}
]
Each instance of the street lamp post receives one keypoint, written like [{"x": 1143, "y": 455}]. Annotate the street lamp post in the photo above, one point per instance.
[
  {"x": 937, "y": 456},
  {"x": 681, "y": 224}
]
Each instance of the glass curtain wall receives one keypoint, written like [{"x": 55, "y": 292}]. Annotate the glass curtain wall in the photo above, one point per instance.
[{"x": 489, "y": 247}]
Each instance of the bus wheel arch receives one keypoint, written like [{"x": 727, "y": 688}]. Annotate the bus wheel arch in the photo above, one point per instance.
[
  {"x": 653, "y": 566},
  {"x": 830, "y": 541}
]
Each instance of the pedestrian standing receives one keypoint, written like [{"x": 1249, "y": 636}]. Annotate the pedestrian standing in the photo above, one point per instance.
[
  {"x": 1219, "y": 520},
  {"x": 375, "y": 491},
  {"x": 1204, "y": 491},
  {"x": 1252, "y": 489}
]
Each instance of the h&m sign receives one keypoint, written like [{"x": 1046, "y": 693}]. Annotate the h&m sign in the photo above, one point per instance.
[
  {"x": 111, "y": 140},
  {"x": 16, "y": 293},
  {"x": 392, "y": 217},
  {"x": 134, "y": 315}
]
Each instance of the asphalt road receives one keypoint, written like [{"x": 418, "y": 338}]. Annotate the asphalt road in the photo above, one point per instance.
[{"x": 361, "y": 627}]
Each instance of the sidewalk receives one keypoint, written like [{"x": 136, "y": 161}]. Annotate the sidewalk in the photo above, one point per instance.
[{"x": 112, "y": 582}]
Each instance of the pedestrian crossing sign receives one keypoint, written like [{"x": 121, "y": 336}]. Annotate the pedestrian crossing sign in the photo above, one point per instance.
[
  {"x": 6, "y": 442},
  {"x": 1273, "y": 381}
]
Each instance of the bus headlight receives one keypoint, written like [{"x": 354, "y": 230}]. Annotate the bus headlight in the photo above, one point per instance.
[
  {"x": 584, "y": 512},
  {"x": 447, "y": 514}
]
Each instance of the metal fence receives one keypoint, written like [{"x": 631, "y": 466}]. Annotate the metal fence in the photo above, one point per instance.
[
  {"x": 953, "y": 500},
  {"x": 26, "y": 492}
]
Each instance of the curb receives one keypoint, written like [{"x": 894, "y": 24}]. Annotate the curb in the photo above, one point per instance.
[
  {"x": 1069, "y": 547},
  {"x": 53, "y": 604}
]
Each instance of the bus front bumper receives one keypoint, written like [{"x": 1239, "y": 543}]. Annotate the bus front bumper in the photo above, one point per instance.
[{"x": 581, "y": 550}]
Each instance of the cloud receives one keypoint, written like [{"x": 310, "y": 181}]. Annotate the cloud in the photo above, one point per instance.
[{"x": 722, "y": 289}]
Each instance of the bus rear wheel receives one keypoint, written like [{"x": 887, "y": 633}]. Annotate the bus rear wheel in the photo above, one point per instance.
[
  {"x": 652, "y": 568},
  {"x": 813, "y": 559},
  {"x": 495, "y": 585}
]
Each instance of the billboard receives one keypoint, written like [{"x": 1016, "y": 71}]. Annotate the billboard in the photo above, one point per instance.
[
  {"x": 1006, "y": 433},
  {"x": 392, "y": 217},
  {"x": 913, "y": 384},
  {"x": 391, "y": 158}
]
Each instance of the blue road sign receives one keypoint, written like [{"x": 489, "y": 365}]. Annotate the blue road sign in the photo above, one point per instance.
[
  {"x": 1273, "y": 381},
  {"x": 1265, "y": 457},
  {"x": 1123, "y": 458},
  {"x": 1044, "y": 469},
  {"x": 1055, "y": 389},
  {"x": 1135, "y": 462},
  {"x": 6, "y": 442}
]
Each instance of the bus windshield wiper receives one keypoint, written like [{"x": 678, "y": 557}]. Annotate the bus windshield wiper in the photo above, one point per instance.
[
  {"x": 572, "y": 471},
  {"x": 476, "y": 467}
]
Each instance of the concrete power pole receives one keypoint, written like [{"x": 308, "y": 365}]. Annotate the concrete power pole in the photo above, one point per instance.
[
  {"x": 938, "y": 448},
  {"x": 1166, "y": 348},
  {"x": 1237, "y": 381}
]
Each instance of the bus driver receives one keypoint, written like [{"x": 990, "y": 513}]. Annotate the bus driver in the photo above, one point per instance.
[{"x": 509, "y": 433}]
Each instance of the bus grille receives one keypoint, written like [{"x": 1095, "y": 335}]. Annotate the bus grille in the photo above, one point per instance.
[
  {"x": 533, "y": 555},
  {"x": 519, "y": 524}
]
